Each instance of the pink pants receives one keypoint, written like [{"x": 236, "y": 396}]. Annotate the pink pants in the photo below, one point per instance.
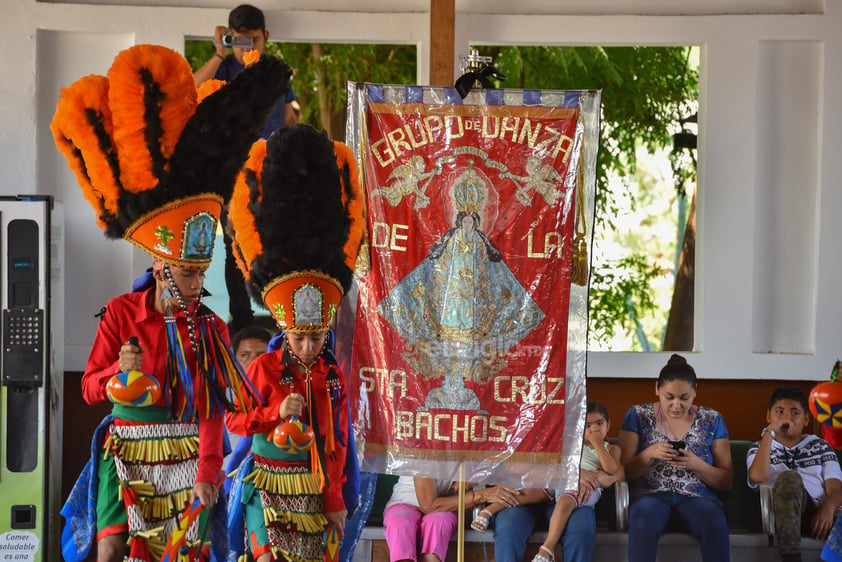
[{"x": 403, "y": 523}]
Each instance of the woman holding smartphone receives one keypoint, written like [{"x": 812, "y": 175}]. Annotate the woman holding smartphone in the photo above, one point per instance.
[{"x": 676, "y": 457}]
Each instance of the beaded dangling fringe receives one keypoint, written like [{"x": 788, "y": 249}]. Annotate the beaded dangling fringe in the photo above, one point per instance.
[
  {"x": 179, "y": 391},
  {"x": 317, "y": 463},
  {"x": 334, "y": 387},
  {"x": 224, "y": 375}
]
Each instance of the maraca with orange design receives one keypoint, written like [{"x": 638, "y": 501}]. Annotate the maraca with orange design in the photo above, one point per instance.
[
  {"x": 132, "y": 387},
  {"x": 293, "y": 436}
]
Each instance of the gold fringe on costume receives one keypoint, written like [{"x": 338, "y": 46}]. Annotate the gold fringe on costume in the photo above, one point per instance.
[
  {"x": 152, "y": 450},
  {"x": 285, "y": 483},
  {"x": 292, "y": 509},
  {"x": 156, "y": 473}
]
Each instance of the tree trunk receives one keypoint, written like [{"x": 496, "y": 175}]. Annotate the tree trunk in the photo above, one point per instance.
[
  {"x": 679, "y": 333},
  {"x": 321, "y": 89}
]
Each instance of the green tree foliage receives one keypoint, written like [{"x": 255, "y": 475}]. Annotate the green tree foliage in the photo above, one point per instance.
[{"x": 647, "y": 95}]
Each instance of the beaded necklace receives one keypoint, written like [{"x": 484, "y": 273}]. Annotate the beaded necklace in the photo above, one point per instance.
[{"x": 173, "y": 291}]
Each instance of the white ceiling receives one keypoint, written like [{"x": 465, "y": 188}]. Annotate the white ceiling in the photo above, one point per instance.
[{"x": 567, "y": 7}]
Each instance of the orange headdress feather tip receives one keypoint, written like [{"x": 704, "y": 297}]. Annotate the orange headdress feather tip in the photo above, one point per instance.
[
  {"x": 81, "y": 128},
  {"x": 209, "y": 87},
  {"x": 240, "y": 216},
  {"x": 352, "y": 200},
  {"x": 169, "y": 100},
  {"x": 251, "y": 57}
]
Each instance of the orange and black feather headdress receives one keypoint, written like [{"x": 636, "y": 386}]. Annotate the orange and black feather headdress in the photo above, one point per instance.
[
  {"x": 296, "y": 220},
  {"x": 148, "y": 152}
]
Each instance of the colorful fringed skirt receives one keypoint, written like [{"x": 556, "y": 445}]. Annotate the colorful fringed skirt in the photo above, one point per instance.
[
  {"x": 146, "y": 478},
  {"x": 284, "y": 510}
]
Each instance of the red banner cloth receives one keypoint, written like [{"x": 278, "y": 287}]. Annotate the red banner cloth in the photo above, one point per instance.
[{"x": 460, "y": 345}]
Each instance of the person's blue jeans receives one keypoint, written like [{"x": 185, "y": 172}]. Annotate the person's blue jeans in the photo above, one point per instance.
[
  {"x": 703, "y": 518},
  {"x": 514, "y": 525}
]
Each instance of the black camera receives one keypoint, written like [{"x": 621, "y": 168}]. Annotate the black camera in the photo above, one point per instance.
[{"x": 228, "y": 40}]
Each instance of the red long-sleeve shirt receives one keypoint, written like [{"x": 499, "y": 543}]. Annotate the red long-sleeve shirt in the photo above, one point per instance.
[
  {"x": 265, "y": 373},
  {"x": 133, "y": 315}
]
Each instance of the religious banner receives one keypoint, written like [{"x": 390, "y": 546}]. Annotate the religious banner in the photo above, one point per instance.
[{"x": 469, "y": 343}]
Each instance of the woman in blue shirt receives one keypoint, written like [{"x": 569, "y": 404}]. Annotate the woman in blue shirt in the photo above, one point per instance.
[{"x": 676, "y": 457}]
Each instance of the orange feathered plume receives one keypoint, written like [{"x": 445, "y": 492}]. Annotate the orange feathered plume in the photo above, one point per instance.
[
  {"x": 208, "y": 87},
  {"x": 143, "y": 77},
  {"x": 82, "y": 129},
  {"x": 352, "y": 200},
  {"x": 250, "y": 57},
  {"x": 240, "y": 217}
]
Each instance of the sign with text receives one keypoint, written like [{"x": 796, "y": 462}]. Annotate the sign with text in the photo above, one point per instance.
[{"x": 460, "y": 355}]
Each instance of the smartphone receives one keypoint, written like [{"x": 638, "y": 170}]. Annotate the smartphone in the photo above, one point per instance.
[{"x": 678, "y": 445}]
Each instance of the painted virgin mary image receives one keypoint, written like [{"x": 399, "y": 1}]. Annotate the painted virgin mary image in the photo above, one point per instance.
[{"x": 461, "y": 309}]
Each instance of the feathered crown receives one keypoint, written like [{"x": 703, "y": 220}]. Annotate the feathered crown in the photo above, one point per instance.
[
  {"x": 296, "y": 220},
  {"x": 157, "y": 158}
]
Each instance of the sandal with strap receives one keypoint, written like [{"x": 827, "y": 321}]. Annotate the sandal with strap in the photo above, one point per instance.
[
  {"x": 544, "y": 555},
  {"x": 480, "y": 522}
]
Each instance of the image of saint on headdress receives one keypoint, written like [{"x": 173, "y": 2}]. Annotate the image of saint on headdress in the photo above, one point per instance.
[
  {"x": 461, "y": 309},
  {"x": 199, "y": 231}
]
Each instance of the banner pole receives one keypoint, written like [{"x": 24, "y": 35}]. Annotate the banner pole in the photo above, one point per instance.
[{"x": 460, "y": 518}]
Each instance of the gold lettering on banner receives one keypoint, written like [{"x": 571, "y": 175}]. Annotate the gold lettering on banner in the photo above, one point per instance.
[
  {"x": 383, "y": 153},
  {"x": 395, "y": 237},
  {"x": 419, "y": 142},
  {"x": 433, "y": 125},
  {"x": 461, "y": 430},
  {"x": 384, "y": 236},
  {"x": 552, "y": 241},
  {"x": 380, "y": 235},
  {"x": 424, "y": 422},
  {"x": 506, "y": 127},
  {"x": 528, "y": 134},
  {"x": 437, "y": 435},
  {"x": 404, "y": 425},
  {"x": 451, "y": 427},
  {"x": 456, "y": 132},
  {"x": 432, "y": 129},
  {"x": 520, "y": 388},
  {"x": 385, "y": 381},
  {"x": 397, "y": 137},
  {"x": 555, "y": 385}
]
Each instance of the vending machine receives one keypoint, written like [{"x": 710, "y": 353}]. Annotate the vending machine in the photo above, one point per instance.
[{"x": 31, "y": 378}]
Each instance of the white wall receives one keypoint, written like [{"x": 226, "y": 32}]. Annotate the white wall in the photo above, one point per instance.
[{"x": 770, "y": 137}]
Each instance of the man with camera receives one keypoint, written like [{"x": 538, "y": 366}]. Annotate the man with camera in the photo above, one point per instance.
[{"x": 246, "y": 31}]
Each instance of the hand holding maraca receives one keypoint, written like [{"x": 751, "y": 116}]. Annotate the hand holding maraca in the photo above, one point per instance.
[
  {"x": 293, "y": 405},
  {"x": 132, "y": 387},
  {"x": 293, "y": 436}
]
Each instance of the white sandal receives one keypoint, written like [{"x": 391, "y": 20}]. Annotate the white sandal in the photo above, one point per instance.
[
  {"x": 544, "y": 555},
  {"x": 480, "y": 522}
]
